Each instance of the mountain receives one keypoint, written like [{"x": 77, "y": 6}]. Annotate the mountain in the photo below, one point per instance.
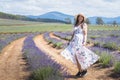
[
  {"x": 54, "y": 15},
  {"x": 61, "y": 16}
]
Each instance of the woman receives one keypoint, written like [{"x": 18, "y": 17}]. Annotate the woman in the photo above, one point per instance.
[{"x": 76, "y": 50}]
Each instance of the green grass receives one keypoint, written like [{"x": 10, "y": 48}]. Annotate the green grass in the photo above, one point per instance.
[
  {"x": 42, "y": 74},
  {"x": 101, "y": 27},
  {"x": 59, "y": 45},
  {"x": 114, "y": 35},
  {"x": 7, "y": 26},
  {"x": 94, "y": 36},
  {"x": 97, "y": 44},
  {"x": 117, "y": 67},
  {"x": 105, "y": 59},
  {"x": 46, "y": 73},
  {"x": 111, "y": 45},
  {"x": 36, "y": 28}
]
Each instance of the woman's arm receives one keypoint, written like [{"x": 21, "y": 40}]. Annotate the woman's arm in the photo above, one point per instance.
[
  {"x": 84, "y": 34},
  {"x": 72, "y": 35}
]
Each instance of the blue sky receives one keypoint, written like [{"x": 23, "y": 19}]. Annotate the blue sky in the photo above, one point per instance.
[{"x": 105, "y": 8}]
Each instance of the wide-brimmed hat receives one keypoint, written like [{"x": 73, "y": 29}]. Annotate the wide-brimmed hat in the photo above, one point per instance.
[{"x": 80, "y": 15}]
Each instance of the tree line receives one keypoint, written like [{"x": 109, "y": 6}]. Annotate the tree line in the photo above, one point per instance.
[
  {"x": 10, "y": 16},
  {"x": 99, "y": 21}
]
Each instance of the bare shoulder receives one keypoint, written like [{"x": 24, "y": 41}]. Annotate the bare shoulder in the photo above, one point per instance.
[{"x": 84, "y": 24}]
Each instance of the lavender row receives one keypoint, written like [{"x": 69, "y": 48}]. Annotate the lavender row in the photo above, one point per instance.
[
  {"x": 5, "y": 39},
  {"x": 100, "y": 50},
  {"x": 56, "y": 43},
  {"x": 108, "y": 39},
  {"x": 38, "y": 60},
  {"x": 105, "y": 39},
  {"x": 105, "y": 36}
]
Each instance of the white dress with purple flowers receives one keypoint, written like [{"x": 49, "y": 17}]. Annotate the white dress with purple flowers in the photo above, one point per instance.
[{"x": 85, "y": 56}]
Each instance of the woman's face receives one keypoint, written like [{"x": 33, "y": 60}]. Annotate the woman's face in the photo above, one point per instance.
[{"x": 80, "y": 19}]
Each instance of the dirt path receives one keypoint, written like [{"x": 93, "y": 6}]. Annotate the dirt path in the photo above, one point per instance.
[
  {"x": 12, "y": 66},
  {"x": 53, "y": 36},
  {"x": 94, "y": 73}
]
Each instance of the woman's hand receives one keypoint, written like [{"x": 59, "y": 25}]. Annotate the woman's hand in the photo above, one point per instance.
[
  {"x": 84, "y": 43},
  {"x": 68, "y": 43}
]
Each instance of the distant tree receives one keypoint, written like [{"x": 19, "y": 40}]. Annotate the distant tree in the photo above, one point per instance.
[
  {"x": 88, "y": 21},
  {"x": 68, "y": 20},
  {"x": 99, "y": 21},
  {"x": 51, "y": 20},
  {"x": 114, "y": 23}
]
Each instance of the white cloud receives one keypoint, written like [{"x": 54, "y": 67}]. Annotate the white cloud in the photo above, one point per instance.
[{"x": 107, "y": 8}]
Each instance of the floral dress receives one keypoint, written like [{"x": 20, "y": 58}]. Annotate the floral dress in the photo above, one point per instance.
[{"x": 85, "y": 56}]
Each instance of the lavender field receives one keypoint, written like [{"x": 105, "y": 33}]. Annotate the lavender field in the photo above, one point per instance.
[
  {"x": 104, "y": 42},
  {"x": 36, "y": 37}
]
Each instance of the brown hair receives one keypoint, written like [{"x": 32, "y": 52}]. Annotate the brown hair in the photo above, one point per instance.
[{"x": 76, "y": 19}]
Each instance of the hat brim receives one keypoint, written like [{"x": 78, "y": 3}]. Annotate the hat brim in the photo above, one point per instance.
[{"x": 80, "y": 15}]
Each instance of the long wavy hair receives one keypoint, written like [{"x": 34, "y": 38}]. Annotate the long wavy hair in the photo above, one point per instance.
[{"x": 77, "y": 19}]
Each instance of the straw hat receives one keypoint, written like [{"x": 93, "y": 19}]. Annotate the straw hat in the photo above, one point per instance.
[{"x": 80, "y": 15}]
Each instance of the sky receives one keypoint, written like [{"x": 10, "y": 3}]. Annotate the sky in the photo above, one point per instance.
[{"x": 102, "y": 8}]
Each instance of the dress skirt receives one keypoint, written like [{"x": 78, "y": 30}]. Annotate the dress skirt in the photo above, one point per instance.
[{"x": 85, "y": 56}]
